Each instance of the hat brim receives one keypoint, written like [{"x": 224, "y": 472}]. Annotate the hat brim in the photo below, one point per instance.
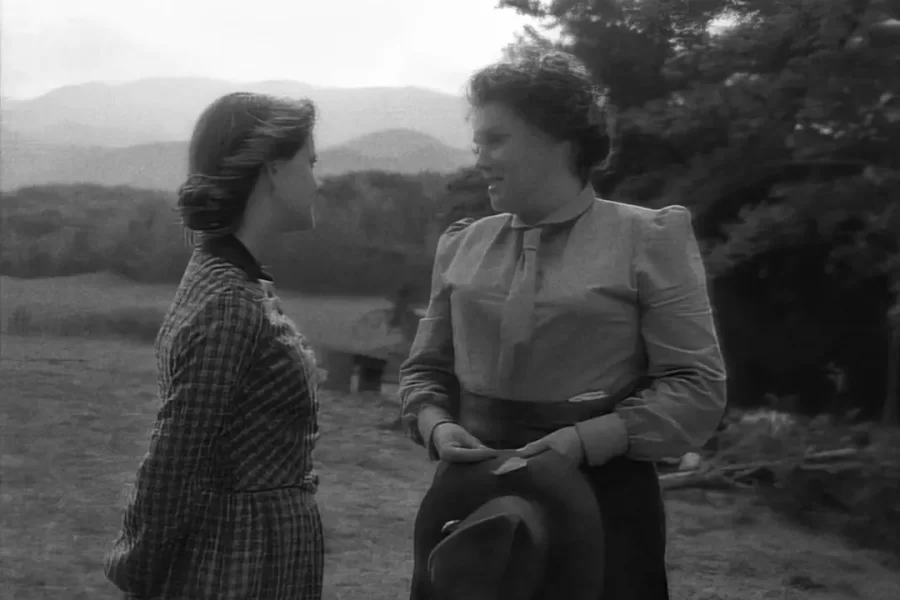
[
  {"x": 503, "y": 545},
  {"x": 551, "y": 481}
]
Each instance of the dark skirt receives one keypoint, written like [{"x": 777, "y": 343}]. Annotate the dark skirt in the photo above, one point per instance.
[
  {"x": 634, "y": 521},
  {"x": 627, "y": 491}
]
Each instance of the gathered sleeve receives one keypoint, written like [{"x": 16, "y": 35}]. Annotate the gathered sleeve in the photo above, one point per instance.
[
  {"x": 684, "y": 404},
  {"x": 209, "y": 359},
  {"x": 428, "y": 383}
]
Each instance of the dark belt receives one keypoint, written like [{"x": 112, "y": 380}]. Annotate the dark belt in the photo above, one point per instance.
[{"x": 508, "y": 424}]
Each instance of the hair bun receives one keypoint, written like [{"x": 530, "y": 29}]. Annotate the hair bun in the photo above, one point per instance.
[{"x": 204, "y": 204}]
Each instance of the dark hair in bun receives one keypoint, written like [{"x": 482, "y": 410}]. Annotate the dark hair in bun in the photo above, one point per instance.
[
  {"x": 233, "y": 139},
  {"x": 554, "y": 92}
]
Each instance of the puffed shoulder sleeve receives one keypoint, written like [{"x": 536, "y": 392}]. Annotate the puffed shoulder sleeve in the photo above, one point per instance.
[
  {"x": 455, "y": 229},
  {"x": 428, "y": 383},
  {"x": 682, "y": 407}
]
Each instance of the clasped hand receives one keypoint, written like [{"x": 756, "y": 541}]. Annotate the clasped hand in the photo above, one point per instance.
[{"x": 454, "y": 444}]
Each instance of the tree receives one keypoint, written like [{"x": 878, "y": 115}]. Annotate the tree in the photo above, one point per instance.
[{"x": 776, "y": 123}]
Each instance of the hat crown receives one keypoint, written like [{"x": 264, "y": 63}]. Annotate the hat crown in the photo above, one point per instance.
[{"x": 518, "y": 533}]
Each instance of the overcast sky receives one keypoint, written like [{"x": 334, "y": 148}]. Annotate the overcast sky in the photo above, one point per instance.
[{"x": 345, "y": 43}]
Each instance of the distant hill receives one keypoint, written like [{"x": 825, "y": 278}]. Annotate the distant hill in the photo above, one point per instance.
[
  {"x": 394, "y": 150},
  {"x": 165, "y": 110},
  {"x": 162, "y": 165}
]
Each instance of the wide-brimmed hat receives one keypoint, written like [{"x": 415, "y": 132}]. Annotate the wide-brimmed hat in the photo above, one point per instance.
[{"x": 532, "y": 533}]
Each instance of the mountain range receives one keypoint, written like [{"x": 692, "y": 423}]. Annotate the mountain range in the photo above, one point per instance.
[
  {"x": 136, "y": 133},
  {"x": 165, "y": 110},
  {"x": 163, "y": 165}
]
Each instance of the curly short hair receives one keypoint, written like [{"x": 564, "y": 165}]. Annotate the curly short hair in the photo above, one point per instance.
[
  {"x": 553, "y": 91},
  {"x": 233, "y": 139}
]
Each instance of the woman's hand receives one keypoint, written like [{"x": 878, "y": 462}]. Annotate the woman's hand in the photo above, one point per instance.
[
  {"x": 454, "y": 444},
  {"x": 566, "y": 441}
]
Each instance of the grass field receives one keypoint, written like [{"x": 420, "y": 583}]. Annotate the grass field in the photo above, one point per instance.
[
  {"x": 76, "y": 415},
  {"x": 62, "y": 303}
]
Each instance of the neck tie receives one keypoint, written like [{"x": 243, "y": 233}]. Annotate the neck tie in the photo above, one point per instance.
[{"x": 518, "y": 312}]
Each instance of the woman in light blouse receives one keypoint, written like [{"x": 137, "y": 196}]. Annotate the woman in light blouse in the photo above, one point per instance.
[{"x": 567, "y": 322}]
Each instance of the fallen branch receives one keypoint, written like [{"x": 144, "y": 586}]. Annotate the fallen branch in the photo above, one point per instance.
[{"x": 736, "y": 475}]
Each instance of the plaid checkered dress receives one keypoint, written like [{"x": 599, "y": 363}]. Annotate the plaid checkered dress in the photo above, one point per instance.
[{"x": 224, "y": 502}]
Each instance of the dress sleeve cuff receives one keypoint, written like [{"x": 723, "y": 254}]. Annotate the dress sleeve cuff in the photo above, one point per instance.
[
  {"x": 429, "y": 418},
  {"x": 603, "y": 438}
]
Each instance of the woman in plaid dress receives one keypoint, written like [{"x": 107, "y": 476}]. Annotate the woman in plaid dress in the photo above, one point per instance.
[{"x": 224, "y": 501}]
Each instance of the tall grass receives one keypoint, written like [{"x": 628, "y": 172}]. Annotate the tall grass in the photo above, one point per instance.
[{"x": 139, "y": 323}]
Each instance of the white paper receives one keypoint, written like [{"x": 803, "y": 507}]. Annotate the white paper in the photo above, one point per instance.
[{"x": 511, "y": 464}]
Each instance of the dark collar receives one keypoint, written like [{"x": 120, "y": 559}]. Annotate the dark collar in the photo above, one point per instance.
[{"x": 229, "y": 248}]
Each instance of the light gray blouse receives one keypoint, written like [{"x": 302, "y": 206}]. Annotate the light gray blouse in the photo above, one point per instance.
[{"x": 620, "y": 292}]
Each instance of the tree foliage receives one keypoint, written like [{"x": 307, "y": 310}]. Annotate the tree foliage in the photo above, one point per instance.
[
  {"x": 778, "y": 124},
  {"x": 372, "y": 235}
]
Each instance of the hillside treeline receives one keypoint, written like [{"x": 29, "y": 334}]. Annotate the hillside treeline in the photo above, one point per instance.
[{"x": 373, "y": 235}]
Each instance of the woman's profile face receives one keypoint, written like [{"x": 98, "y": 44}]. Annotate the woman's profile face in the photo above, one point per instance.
[
  {"x": 295, "y": 189},
  {"x": 516, "y": 158}
]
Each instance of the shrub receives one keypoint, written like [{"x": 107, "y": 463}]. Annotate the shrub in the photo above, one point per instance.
[
  {"x": 856, "y": 496},
  {"x": 21, "y": 321}
]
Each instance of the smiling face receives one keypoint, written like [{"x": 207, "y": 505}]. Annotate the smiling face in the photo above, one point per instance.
[{"x": 520, "y": 162}]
